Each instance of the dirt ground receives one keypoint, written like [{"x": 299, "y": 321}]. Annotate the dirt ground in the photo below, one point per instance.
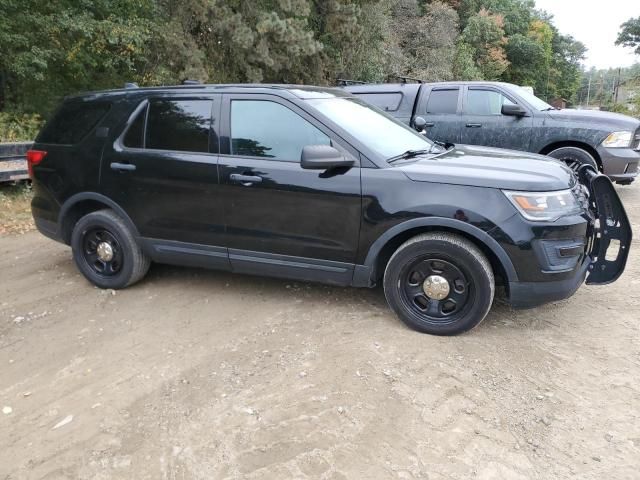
[{"x": 204, "y": 375}]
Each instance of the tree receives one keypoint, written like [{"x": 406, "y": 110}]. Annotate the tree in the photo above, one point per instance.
[
  {"x": 629, "y": 35},
  {"x": 485, "y": 40}
]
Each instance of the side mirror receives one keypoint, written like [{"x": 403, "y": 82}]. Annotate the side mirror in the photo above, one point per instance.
[
  {"x": 323, "y": 157},
  {"x": 419, "y": 123},
  {"x": 514, "y": 111}
]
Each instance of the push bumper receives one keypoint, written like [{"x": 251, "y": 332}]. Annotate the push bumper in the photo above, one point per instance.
[
  {"x": 607, "y": 248},
  {"x": 619, "y": 164}
]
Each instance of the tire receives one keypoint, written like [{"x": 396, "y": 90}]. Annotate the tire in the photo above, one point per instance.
[
  {"x": 467, "y": 272},
  {"x": 128, "y": 263},
  {"x": 574, "y": 157}
]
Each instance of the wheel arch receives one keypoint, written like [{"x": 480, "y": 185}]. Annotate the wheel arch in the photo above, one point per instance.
[
  {"x": 382, "y": 249},
  {"x": 573, "y": 143},
  {"x": 81, "y": 204}
]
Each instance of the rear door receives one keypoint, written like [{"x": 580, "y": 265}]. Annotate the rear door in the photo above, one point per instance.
[
  {"x": 283, "y": 220},
  {"x": 163, "y": 171},
  {"x": 440, "y": 107},
  {"x": 484, "y": 124}
]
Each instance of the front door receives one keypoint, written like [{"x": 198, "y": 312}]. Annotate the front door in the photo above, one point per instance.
[
  {"x": 163, "y": 172},
  {"x": 484, "y": 124},
  {"x": 283, "y": 220}
]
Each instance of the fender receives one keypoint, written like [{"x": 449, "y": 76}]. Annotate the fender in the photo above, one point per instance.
[
  {"x": 475, "y": 232},
  {"x": 80, "y": 197}
]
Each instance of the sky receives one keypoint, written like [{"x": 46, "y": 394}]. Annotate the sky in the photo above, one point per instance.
[{"x": 595, "y": 23}]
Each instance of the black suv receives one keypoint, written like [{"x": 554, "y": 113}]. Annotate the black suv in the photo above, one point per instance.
[
  {"x": 503, "y": 115},
  {"x": 314, "y": 184}
]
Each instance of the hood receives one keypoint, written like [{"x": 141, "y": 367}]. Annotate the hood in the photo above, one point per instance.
[
  {"x": 493, "y": 168},
  {"x": 614, "y": 121}
]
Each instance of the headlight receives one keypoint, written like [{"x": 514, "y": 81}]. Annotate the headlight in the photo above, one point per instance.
[
  {"x": 544, "y": 206},
  {"x": 618, "y": 140}
]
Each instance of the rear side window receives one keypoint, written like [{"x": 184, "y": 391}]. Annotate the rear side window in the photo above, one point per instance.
[
  {"x": 72, "y": 122},
  {"x": 175, "y": 125},
  {"x": 389, "y": 102},
  {"x": 443, "y": 101},
  {"x": 179, "y": 125}
]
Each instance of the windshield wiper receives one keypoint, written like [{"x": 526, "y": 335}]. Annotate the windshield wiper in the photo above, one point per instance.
[
  {"x": 410, "y": 154},
  {"x": 548, "y": 109}
]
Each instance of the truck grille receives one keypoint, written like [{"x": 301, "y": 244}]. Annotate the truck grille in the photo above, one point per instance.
[{"x": 635, "y": 144}]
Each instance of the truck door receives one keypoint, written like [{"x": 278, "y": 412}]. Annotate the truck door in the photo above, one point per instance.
[
  {"x": 484, "y": 124},
  {"x": 440, "y": 107}
]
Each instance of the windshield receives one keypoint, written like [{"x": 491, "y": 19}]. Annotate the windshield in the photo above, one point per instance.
[
  {"x": 532, "y": 100},
  {"x": 380, "y": 132}
]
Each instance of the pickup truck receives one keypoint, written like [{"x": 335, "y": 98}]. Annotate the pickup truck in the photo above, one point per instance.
[{"x": 495, "y": 114}]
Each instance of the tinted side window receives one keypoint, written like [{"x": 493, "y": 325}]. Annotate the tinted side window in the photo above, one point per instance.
[
  {"x": 72, "y": 122},
  {"x": 443, "y": 101},
  {"x": 134, "y": 137},
  {"x": 179, "y": 125},
  {"x": 261, "y": 128},
  {"x": 388, "y": 102},
  {"x": 485, "y": 102}
]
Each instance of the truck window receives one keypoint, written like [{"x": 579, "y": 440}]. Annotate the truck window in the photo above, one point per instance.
[
  {"x": 443, "y": 101},
  {"x": 485, "y": 102}
]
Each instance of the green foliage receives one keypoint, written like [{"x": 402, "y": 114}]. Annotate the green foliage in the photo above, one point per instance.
[
  {"x": 19, "y": 127},
  {"x": 51, "y": 48},
  {"x": 629, "y": 35}
]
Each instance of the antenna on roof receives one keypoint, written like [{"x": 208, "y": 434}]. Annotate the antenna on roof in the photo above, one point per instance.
[
  {"x": 191, "y": 82},
  {"x": 130, "y": 85},
  {"x": 344, "y": 82}
]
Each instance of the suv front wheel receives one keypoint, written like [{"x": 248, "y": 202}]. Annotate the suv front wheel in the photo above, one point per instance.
[
  {"x": 439, "y": 283},
  {"x": 106, "y": 251}
]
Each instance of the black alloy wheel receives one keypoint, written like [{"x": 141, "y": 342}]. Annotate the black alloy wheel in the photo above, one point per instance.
[
  {"x": 439, "y": 283},
  {"x": 106, "y": 252}
]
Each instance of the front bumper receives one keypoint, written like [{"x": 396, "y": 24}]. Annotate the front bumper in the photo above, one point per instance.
[
  {"x": 619, "y": 164},
  {"x": 607, "y": 244}
]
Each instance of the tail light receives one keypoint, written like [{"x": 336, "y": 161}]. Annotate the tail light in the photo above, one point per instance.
[{"x": 34, "y": 157}]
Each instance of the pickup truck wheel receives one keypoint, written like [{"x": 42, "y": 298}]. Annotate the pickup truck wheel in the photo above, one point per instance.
[
  {"x": 574, "y": 157},
  {"x": 439, "y": 283},
  {"x": 106, "y": 252}
]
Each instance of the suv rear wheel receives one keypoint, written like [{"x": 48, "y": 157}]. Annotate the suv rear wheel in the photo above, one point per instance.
[
  {"x": 574, "y": 157},
  {"x": 439, "y": 283},
  {"x": 106, "y": 252}
]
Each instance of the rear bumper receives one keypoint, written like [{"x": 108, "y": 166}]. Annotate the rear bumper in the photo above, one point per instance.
[{"x": 619, "y": 164}]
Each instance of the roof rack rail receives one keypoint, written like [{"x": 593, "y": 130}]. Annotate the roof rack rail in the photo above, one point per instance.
[
  {"x": 130, "y": 85},
  {"x": 344, "y": 82},
  {"x": 405, "y": 79},
  {"x": 191, "y": 82}
]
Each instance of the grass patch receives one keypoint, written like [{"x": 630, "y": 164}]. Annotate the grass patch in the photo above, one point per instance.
[{"x": 15, "y": 208}]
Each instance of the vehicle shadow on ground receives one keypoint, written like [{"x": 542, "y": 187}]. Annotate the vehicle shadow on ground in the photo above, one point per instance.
[{"x": 500, "y": 316}]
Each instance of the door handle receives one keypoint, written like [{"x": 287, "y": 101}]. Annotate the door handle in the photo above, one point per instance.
[
  {"x": 122, "y": 167},
  {"x": 245, "y": 180},
  {"x": 474, "y": 125}
]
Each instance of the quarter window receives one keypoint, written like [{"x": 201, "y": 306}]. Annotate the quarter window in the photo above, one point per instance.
[
  {"x": 261, "y": 128},
  {"x": 72, "y": 122},
  {"x": 485, "y": 102},
  {"x": 443, "y": 101}
]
